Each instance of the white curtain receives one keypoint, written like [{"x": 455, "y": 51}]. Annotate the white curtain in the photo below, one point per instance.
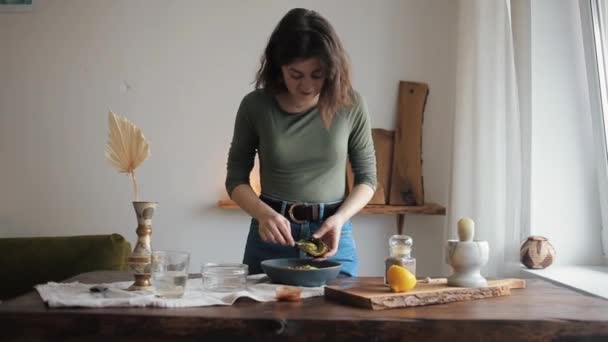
[
  {"x": 594, "y": 21},
  {"x": 487, "y": 182}
]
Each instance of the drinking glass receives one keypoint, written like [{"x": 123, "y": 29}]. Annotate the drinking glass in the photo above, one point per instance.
[{"x": 170, "y": 273}]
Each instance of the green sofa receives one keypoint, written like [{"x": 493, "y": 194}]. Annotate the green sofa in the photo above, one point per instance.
[{"x": 26, "y": 262}]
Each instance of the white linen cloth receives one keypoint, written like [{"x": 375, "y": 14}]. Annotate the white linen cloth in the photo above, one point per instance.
[{"x": 79, "y": 295}]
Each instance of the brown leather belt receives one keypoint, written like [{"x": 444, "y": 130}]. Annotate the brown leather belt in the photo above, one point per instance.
[{"x": 298, "y": 212}]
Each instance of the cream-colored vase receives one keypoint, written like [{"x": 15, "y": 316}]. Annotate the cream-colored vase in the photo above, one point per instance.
[{"x": 140, "y": 260}]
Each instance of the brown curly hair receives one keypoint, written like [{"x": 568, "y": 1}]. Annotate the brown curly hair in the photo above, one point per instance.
[{"x": 303, "y": 34}]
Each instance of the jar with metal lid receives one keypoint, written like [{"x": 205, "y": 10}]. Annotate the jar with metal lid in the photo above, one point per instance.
[
  {"x": 400, "y": 250},
  {"x": 225, "y": 277}
]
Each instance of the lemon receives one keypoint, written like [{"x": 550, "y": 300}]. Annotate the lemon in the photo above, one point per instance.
[{"x": 400, "y": 279}]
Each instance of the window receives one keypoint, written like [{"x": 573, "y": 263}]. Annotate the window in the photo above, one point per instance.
[{"x": 586, "y": 278}]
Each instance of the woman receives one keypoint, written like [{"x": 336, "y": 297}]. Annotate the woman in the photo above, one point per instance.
[{"x": 304, "y": 120}]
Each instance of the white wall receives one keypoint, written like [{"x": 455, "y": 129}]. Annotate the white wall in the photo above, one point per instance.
[
  {"x": 178, "y": 69},
  {"x": 564, "y": 195}
]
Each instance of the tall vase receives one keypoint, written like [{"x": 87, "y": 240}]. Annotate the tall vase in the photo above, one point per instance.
[{"x": 140, "y": 260}]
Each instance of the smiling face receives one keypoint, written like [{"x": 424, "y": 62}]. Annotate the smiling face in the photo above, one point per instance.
[{"x": 304, "y": 80}]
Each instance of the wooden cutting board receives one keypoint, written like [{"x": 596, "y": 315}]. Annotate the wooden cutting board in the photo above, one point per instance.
[
  {"x": 371, "y": 293},
  {"x": 407, "y": 184},
  {"x": 383, "y": 145}
]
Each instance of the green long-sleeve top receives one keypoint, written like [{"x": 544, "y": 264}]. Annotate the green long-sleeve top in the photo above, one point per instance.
[{"x": 300, "y": 160}]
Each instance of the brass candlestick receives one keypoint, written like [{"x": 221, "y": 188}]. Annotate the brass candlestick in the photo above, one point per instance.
[{"x": 140, "y": 260}]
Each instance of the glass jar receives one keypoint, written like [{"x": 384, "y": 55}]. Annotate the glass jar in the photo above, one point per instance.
[
  {"x": 228, "y": 277},
  {"x": 400, "y": 249}
]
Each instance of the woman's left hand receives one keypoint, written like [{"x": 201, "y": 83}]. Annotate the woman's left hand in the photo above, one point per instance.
[{"x": 330, "y": 234}]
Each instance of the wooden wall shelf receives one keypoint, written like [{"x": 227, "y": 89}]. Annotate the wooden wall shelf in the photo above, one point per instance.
[
  {"x": 426, "y": 209},
  {"x": 399, "y": 210}
]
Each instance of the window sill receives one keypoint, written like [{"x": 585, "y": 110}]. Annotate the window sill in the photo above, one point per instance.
[{"x": 591, "y": 280}]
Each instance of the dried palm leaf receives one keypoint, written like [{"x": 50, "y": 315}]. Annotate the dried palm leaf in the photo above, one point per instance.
[{"x": 127, "y": 147}]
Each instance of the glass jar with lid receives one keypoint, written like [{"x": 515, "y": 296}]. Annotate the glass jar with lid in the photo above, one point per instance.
[{"x": 400, "y": 250}]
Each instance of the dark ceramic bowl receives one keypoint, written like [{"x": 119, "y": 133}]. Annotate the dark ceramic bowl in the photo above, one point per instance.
[{"x": 279, "y": 272}]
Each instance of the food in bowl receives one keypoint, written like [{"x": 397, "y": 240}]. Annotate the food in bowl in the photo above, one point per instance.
[
  {"x": 288, "y": 293},
  {"x": 303, "y": 267}
]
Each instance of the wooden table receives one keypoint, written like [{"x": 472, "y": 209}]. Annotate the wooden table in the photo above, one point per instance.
[{"x": 542, "y": 312}]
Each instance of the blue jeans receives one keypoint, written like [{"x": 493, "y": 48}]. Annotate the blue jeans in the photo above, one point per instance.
[{"x": 257, "y": 250}]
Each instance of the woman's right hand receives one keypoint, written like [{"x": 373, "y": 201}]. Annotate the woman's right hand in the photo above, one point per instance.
[{"x": 275, "y": 228}]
